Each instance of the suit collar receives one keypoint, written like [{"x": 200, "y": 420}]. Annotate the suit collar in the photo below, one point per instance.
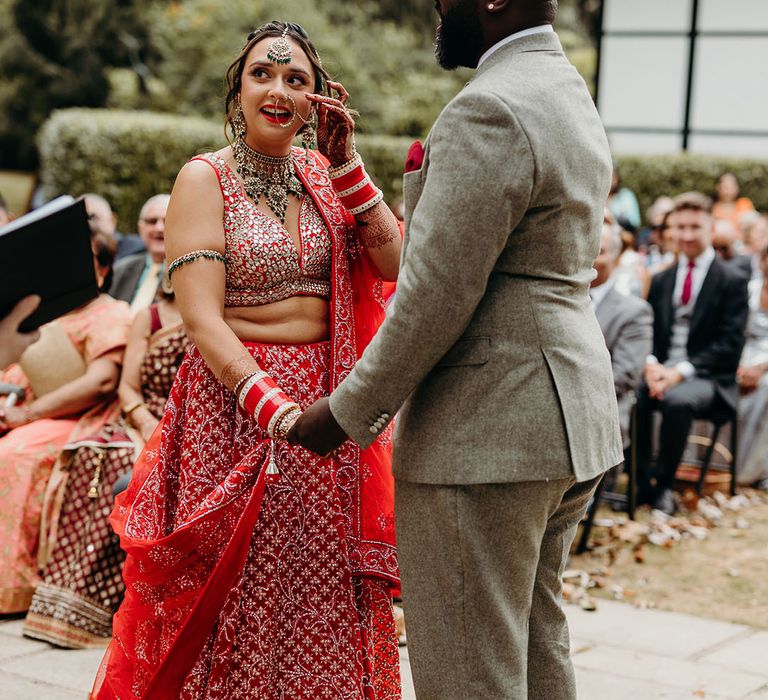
[
  {"x": 709, "y": 288},
  {"x": 537, "y": 42},
  {"x": 531, "y": 31}
]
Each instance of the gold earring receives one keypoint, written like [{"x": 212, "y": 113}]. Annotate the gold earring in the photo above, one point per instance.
[
  {"x": 309, "y": 136},
  {"x": 237, "y": 121}
]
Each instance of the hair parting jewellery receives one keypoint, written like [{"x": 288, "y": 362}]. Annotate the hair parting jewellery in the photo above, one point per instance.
[{"x": 280, "y": 50}]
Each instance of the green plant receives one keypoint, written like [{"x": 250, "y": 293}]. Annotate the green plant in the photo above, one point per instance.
[
  {"x": 129, "y": 156},
  {"x": 652, "y": 176}
]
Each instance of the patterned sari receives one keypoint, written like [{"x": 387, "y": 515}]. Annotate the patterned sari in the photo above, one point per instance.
[
  {"x": 28, "y": 453},
  {"x": 82, "y": 585},
  {"x": 243, "y": 585}
]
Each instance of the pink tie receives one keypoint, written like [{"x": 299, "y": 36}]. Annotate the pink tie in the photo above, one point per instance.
[{"x": 688, "y": 284}]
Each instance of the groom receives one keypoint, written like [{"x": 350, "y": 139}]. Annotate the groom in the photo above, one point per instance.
[{"x": 493, "y": 357}]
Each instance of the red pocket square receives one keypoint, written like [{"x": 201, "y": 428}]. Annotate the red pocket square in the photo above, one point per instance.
[{"x": 415, "y": 157}]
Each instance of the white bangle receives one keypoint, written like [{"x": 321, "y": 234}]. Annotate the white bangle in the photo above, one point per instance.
[{"x": 249, "y": 384}]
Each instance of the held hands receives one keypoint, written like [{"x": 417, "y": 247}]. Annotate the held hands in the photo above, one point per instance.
[
  {"x": 317, "y": 429},
  {"x": 335, "y": 126},
  {"x": 749, "y": 377},
  {"x": 661, "y": 379}
]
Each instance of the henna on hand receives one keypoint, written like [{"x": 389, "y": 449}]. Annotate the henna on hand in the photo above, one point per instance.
[
  {"x": 335, "y": 129},
  {"x": 378, "y": 226},
  {"x": 237, "y": 370}
]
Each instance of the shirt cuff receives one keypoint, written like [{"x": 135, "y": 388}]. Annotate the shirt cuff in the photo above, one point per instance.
[
  {"x": 686, "y": 369},
  {"x": 651, "y": 360}
]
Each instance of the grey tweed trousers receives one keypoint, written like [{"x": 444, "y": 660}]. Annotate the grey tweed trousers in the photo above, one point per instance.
[{"x": 481, "y": 573}]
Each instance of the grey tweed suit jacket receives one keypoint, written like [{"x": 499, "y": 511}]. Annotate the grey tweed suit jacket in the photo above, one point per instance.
[
  {"x": 627, "y": 325},
  {"x": 491, "y": 351}
]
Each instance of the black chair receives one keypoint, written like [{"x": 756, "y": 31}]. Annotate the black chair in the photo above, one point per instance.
[
  {"x": 627, "y": 501},
  {"x": 720, "y": 417}
]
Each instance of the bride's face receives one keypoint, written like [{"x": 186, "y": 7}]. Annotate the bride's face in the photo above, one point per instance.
[{"x": 273, "y": 97}]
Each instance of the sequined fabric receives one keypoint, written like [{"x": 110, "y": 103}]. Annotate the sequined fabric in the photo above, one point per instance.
[
  {"x": 295, "y": 622},
  {"x": 263, "y": 263}
]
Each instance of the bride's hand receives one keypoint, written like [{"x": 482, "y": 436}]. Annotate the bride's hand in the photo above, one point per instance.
[{"x": 335, "y": 126}]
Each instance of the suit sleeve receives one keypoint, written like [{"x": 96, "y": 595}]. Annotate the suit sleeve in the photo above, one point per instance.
[
  {"x": 723, "y": 354},
  {"x": 633, "y": 345},
  {"x": 477, "y": 188}
]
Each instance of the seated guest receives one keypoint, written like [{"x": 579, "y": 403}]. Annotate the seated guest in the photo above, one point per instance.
[
  {"x": 724, "y": 239},
  {"x": 626, "y": 322},
  {"x": 728, "y": 205},
  {"x": 753, "y": 384},
  {"x": 631, "y": 275},
  {"x": 649, "y": 238},
  {"x": 82, "y": 584},
  {"x": 755, "y": 240},
  {"x": 138, "y": 277},
  {"x": 700, "y": 310},
  {"x": 100, "y": 214},
  {"x": 623, "y": 203},
  {"x": 35, "y": 432}
]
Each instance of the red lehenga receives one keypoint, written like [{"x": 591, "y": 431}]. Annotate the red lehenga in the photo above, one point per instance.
[{"x": 243, "y": 585}]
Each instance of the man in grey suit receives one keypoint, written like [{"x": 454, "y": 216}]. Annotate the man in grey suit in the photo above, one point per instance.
[
  {"x": 493, "y": 356},
  {"x": 137, "y": 277},
  {"x": 626, "y": 322}
]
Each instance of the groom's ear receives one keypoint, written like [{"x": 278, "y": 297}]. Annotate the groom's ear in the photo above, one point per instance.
[{"x": 494, "y": 6}]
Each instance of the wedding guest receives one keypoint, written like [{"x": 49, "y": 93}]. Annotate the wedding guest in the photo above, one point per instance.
[
  {"x": 728, "y": 205},
  {"x": 623, "y": 203},
  {"x": 101, "y": 215},
  {"x": 36, "y": 431},
  {"x": 700, "y": 310},
  {"x": 752, "y": 376},
  {"x": 81, "y": 584},
  {"x": 138, "y": 277}
]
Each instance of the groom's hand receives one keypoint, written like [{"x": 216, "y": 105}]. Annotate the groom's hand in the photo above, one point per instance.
[{"x": 317, "y": 429}]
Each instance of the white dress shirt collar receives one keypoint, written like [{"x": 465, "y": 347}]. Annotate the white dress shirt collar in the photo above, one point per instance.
[
  {"x": 598, "y": 293},
  {"x": 541, "y": 29},
  {"x": 702, "y": 263}
]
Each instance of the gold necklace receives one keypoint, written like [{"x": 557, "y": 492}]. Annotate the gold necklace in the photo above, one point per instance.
[{"x": 273, "y": 177}]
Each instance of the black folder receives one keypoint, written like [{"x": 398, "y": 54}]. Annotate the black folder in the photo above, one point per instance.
[{"x": 48, "y": 252}]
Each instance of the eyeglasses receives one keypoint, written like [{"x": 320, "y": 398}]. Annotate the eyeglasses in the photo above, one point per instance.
[{"x": 154, "y": 220}]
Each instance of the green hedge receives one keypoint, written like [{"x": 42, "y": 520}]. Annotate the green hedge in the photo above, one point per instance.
[
  {"x": 652, "y": 176},
  {"x": 128, "y": 156}
]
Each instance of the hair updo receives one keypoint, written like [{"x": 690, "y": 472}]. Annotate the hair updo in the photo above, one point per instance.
[{"x": 272, "y": 29}]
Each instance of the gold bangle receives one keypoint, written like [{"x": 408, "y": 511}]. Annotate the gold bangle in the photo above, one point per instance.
[{"x": 132, "y": 407}]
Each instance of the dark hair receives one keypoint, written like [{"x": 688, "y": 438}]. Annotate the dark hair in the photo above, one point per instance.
[
  {"x": 104, "y": 250},
  {"x": 764, "y": 253},
  {"x": 692, "y": 201},
  {"x": 272, "y": 29}
]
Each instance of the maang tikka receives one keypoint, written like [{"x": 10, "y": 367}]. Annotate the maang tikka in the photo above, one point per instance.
[{"x": 280, "y": 51}]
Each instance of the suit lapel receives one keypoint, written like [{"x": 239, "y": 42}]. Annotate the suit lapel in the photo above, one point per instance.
[
  {"x": 667, "y": 301},
  {"x": 707, "y": 292}
]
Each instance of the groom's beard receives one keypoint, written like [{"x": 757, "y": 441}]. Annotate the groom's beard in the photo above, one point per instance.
[{"x": 459, "y": 40}]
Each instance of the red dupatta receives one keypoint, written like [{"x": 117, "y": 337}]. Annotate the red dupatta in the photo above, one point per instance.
[{"x": 364, "y": 483}]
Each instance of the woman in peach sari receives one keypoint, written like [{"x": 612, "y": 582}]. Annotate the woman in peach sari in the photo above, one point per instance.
[{"x": 35, "y": 432}]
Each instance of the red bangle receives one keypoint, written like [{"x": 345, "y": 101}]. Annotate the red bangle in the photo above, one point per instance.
[{"x": 354, "y": 188}]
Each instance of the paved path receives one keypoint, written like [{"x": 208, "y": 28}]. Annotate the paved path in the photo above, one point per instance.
[{"x": 620, "y": 653}]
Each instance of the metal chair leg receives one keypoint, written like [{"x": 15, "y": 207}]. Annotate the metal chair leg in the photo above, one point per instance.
[
  {"x": 734, "y": 448},
  {"x": 707, "y": 458},
  {"x": 586, "y": 527}
]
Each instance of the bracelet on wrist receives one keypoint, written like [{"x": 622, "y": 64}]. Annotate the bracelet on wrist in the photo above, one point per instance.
[
  {"x": 130, "y": 408},
  {"x": 267, "y": 403},
  {"x": 354, "y": 186}
]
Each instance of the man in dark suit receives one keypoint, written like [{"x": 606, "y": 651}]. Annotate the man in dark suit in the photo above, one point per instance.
[
  {"x": 700, "y": 309},
  {"x": 101, "y": 216},
  {"x": 137, "y": 277},
  {"x": 626, "y": 322}
]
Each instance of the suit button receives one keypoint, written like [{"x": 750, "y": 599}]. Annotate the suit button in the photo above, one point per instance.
[
  {"x": 385, "y": 416},
  {"x": 374, "y": 429}
]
